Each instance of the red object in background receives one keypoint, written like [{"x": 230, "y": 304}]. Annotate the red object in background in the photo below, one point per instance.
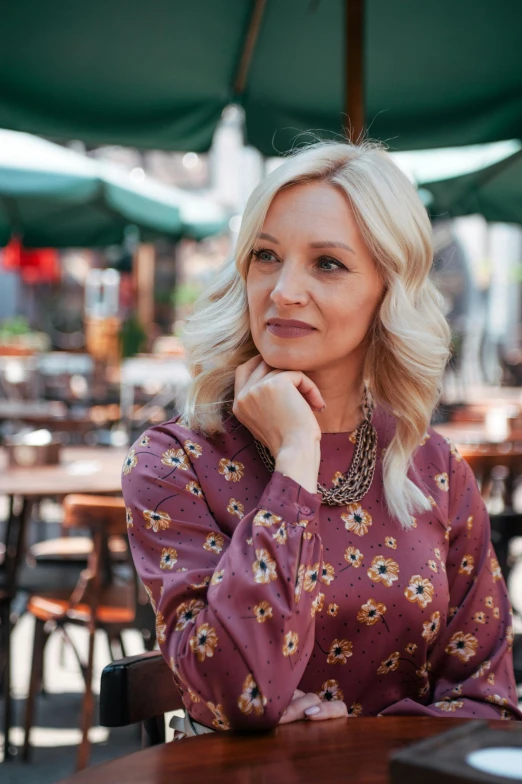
[{"x": 35, "y": 265}]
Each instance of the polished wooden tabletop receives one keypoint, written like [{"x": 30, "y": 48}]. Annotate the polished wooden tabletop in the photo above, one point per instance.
[
  {"x": 340, "y": 750},
  {"x": 82, "y": 469}
]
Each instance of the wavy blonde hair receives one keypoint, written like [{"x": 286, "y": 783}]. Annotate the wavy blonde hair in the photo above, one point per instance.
[{"x": 408, "y": 343}]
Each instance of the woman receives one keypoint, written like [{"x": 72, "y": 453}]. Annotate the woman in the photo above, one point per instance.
[{"x": 312, "y": 549}]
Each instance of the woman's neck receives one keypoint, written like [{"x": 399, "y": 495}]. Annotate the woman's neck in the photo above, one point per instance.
[{"x": 343, "y": 412}]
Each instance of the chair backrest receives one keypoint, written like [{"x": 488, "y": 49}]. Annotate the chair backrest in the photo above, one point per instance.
[
  {"x": 101, "y": 583},
  {"x": 139, "y": 689},
  {"x": 95, "y": 512}
]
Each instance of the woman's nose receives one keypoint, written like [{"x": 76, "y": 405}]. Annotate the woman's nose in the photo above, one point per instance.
[{"x": 289, "y": 287}]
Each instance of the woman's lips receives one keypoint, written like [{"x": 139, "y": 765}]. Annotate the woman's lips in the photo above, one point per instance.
[{"x": 289, "y": 332}]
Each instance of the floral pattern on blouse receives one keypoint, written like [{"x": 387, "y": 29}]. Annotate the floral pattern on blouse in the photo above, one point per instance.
[{"x": 259, "y": 589}]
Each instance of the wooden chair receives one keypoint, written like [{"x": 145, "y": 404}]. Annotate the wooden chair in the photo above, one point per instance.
[
  {"x": 139, "y": 689},
  {"x": 63, "y": 557},
  {"x": 104, "y": 598}
]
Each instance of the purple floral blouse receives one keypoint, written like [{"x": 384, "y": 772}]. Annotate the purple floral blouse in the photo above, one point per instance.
[{"x": 260, "y": 589}]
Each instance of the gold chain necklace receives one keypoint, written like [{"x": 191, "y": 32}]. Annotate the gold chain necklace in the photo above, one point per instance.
[{"x": 355, "y": 483}]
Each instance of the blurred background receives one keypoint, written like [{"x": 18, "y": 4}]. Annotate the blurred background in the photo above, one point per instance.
[{"x": 130, "y": 139}]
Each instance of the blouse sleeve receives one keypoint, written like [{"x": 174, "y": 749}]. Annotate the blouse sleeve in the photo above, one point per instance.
[
  {"x": 234, "y": 614},
  {"x": 470, "y": 665}
]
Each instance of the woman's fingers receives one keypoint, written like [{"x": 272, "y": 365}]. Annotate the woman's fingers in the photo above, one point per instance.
[
  {"x": 310, "y": 392},
  {"x": 328, "y": 710},
  {"x": 304, "y": 385},
  {"x": 309, "y": 706},
  {"x": 244, "y": 372},
  {"x": 261, "y": 371},
  {"x": 296, "y": 709},
  {"x": 255, "y": 369},
  {"x": 274, "y": 404}
]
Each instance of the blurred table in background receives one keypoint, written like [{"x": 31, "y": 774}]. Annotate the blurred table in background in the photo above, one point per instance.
[
  {"x": 91, "y": 470},
  {"x": 81, "y": 470}
]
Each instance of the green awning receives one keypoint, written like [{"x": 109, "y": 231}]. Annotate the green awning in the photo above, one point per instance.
[
  {"x": 158, "y": 75},
  {"x": 54, "y": 197},
  {"x": 494, "y": 192}
]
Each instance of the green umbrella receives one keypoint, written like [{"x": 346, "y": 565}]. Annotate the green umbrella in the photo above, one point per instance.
[
  {"x": 54, "y": 197},
  {"x": 494, "y": 192},
  {"x": 158, "y": 75}
]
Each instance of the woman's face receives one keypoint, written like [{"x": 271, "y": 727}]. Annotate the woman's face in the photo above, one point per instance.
[{"x": 310, "y": 264}]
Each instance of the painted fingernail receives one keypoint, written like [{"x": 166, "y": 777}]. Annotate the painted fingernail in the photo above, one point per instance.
[{"x": 313, "y": 710}]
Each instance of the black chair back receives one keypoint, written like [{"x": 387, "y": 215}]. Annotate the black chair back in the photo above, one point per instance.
[{"x": 139, "y": 689}]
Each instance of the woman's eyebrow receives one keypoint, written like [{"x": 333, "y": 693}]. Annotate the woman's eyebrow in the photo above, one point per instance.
[
  {"x": 330, "y": 244},
  {"x": 264, "y": 236},
  {"x": 321, "y": 244}
]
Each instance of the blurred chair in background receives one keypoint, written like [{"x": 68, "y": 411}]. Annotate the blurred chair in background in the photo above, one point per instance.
[{"x": 105, "y": 597}]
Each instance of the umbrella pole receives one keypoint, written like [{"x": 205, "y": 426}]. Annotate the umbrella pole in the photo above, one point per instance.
[
  {"x": 144, "y": 264},
  {"x": 354, "y": 67},
  {"x": 249, "y": 45}
]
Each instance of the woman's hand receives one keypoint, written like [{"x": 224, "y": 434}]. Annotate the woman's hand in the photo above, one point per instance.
[
  {"x": 310, "y": 706},
  {"x": 276, "y": 405}
]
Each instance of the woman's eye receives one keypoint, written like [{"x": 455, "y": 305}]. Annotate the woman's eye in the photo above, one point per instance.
[
  {"x": 332, "y": 262},
  {"x": 263, "y": 255},
  {"x": 330, "y": 265}
]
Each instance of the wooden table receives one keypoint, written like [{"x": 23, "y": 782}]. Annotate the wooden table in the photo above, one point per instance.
[
  {"x": 81, "y": 470},
  {"x": 340, "y": 750}
]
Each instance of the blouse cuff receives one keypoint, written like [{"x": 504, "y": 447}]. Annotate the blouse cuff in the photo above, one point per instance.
[{"x": 287, "y": 498}]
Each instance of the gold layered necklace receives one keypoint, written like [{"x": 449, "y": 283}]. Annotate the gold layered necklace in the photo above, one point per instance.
[{"x": 355, "y": 483}]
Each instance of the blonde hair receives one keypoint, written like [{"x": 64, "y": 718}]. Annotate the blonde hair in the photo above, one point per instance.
[{"x": 408, "y": 343}]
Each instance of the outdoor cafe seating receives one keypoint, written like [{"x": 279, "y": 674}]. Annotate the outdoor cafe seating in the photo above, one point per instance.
[
  {"x": 105, "y": 597},
  {"x": 93, "y": 533}
]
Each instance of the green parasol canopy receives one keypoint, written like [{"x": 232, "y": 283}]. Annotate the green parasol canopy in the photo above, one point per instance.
[
  {"x": 494, "y": 192},
  {"x": 54, "y": 197},
  {"x": 159, "y": 74}
]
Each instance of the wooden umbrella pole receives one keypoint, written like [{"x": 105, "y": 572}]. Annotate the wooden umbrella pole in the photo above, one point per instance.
[
  {"x": 143, "y": 269},
  {"x": 354, "y": 67},
  {"x": 249, "y": 45}
]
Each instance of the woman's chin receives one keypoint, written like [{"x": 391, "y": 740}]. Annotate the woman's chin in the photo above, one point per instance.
[{"x": 285, "y": 358}]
